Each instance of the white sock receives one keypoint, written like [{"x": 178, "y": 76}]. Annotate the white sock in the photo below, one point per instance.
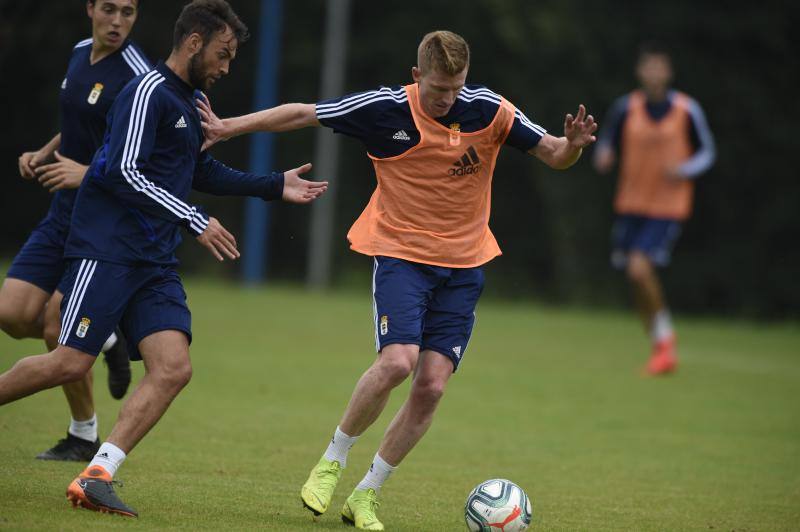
[
  {"x": 662, "y": 326},
  {"x": 378, "y": 473},
  {"x": 109, "y": 457},
  {"x": 339, "y": 447},
  {"x": 111, "y": 342},
  {"x": 85, "y": 430}
]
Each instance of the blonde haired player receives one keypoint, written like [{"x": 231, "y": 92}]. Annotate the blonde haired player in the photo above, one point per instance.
[{"x": 433, "y": 144}]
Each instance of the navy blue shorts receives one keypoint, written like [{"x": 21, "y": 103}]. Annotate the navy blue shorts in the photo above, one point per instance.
[
  {"x": 99, "y": 295},
  {"x": 430, "y": 306},
  {"x": 41, "y": 259},
  {"x": 655, "y": 237}
]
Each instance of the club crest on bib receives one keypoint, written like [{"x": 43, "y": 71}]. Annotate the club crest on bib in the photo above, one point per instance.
[
  {"x": 95, "y": 94},
  {"x": 455, "y": 134}
]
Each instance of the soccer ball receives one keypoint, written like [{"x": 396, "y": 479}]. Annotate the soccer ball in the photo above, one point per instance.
[{"x": 498, "y": 504}]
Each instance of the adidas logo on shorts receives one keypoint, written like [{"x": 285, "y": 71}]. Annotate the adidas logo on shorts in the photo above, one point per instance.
[{"x": 180, "y": 123}]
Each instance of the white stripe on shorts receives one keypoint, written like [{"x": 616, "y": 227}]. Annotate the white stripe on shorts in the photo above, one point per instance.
[
  {"x": 76, "y": 297},
  {"x": 71, "y": 301},
  {"x": 375, "y": 305}
]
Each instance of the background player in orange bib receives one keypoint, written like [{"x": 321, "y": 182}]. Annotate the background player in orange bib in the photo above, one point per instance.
[
  {"x": 663, "y": 142},
  {"x": 433, "y": 145}
]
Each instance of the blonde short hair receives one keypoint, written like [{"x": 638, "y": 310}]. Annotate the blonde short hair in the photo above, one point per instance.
[{"x": 443, "y": 51}]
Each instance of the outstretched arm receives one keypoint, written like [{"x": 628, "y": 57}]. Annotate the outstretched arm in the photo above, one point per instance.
[
  {"x": 562, "y": 152},
  {"x": 286, "y": 117},
  {"x": 213, "y": 177}
]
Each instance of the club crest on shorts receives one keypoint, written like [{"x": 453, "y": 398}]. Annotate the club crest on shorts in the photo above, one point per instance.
[
  {"x": 384, "y": 325},
  {"x": 83, "y": 327},
  {"x": 95, "y": 94}
]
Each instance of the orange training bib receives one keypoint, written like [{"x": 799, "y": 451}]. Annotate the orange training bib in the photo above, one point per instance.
[
  {"x": 649, "y": 149},
  {"x": 432, "y": 203}
]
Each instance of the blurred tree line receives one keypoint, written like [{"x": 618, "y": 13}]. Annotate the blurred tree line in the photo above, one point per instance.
[{"x": 738, "y": 254}]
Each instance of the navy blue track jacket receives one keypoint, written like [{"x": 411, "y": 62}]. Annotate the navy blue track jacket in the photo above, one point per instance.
[{"x": 133, "y": 201}]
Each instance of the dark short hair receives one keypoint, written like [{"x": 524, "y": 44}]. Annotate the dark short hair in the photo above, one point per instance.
[
  {"x": 650, "y": 48},
  {"x": 206, "y": 17}
]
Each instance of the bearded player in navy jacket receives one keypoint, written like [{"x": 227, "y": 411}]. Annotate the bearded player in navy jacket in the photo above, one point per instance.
[{"x": 124, "y": 232}]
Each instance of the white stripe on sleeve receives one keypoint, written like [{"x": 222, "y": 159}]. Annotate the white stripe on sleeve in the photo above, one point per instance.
[
  {"x": 130, "y": 153},
  {"x": 397, "y": 93},
  {"x": 145, "y": 64},
  {"x": 706, "y": 153},
  {"x": 343, "y": 111},
  {"x": 525, "y": 121},
  {"x": 136, "y": 67},
  {"x": 480, "y": 90}
]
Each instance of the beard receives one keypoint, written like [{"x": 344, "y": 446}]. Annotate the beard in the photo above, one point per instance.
[{"x": 197, "y": 77}]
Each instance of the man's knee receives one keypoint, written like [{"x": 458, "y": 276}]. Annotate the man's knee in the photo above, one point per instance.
[
  {"x": 52, "y": 330},
  {"x": 166, "y": 359},
  {"x": 639, "y": 268},
  {"x": 52, "y": 320},
  {"x": 428, "y": 391},
  {"x": 181, "y": 374},
  {"x": 173, "y": 374},
  {"x": 397, "y": 362},
  {"x": 16, "y": 321},
  {"x": 68, "y": 364},
  {"x": 21, "y": 308}
]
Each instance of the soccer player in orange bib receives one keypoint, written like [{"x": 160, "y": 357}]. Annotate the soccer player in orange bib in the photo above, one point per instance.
[
  {"x": 664, "y": 143},
  {"x": 433, "y": 144}
]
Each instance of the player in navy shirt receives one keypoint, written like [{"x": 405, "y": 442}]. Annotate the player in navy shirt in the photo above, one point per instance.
[
  {"x": 125, "y": 228},
  {"x": 98, "y": 69},
  {"x": 382, "y": 120}
]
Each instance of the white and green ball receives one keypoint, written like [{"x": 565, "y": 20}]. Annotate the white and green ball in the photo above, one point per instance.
[{"x": 498, "y": 504}]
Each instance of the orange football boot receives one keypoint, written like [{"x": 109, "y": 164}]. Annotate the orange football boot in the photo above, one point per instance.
[
  {"x": 663, "y": 360},
  {"x": 94, "y": 490}
]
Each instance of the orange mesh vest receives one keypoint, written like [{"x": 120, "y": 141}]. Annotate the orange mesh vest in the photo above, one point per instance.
[
  {"x": 432, "y": 202},
  {"x": 649, "y": 148}
]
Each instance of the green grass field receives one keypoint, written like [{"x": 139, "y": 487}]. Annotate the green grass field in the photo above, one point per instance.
[{"x": 550, "y": 398}]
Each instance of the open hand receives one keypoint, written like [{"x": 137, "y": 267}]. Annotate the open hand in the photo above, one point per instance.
[
  {"x": 212, "y": 125},
  {"x": 64, "y": 173},
  {"x": 298, "y": 190},
  {"x": 580, "y": 130},
  {"x": 218, "y": 240}
]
